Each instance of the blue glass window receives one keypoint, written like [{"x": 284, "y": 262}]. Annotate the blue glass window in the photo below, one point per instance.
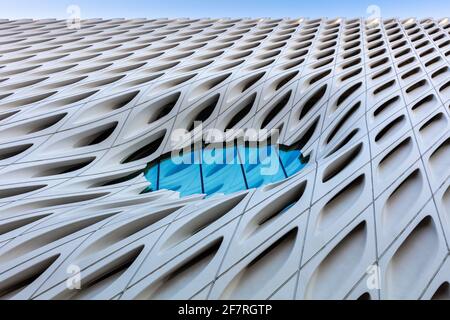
[{"x": 223, "y": 169}]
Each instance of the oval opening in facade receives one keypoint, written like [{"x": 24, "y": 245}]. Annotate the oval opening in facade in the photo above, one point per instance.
[{"x": 223, "y": 170}]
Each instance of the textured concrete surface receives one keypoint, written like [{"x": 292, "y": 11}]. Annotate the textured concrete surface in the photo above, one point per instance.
[{"x": 83, "y": 111}]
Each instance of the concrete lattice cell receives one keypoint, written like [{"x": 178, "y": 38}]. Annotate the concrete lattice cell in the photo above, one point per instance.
[{"x": 84, "y": 111}]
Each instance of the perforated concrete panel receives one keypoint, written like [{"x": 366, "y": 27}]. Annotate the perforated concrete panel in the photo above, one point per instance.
[{"x": 82, "y": 113}]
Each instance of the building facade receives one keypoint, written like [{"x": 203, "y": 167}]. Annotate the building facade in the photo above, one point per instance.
[{"x": 86, "y": 110}]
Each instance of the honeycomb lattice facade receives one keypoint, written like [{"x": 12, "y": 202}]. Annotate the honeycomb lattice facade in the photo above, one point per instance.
[{"x": 83, "y": 111}]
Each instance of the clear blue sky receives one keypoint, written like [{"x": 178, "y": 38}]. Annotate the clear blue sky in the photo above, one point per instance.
[{"x": 14, "y": 9}]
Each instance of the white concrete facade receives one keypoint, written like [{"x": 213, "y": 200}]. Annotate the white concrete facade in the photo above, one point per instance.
[{"x": 83, "y": 111}]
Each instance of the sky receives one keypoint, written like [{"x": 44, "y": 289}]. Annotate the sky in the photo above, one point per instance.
[{"x": 38, "y": 9}]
